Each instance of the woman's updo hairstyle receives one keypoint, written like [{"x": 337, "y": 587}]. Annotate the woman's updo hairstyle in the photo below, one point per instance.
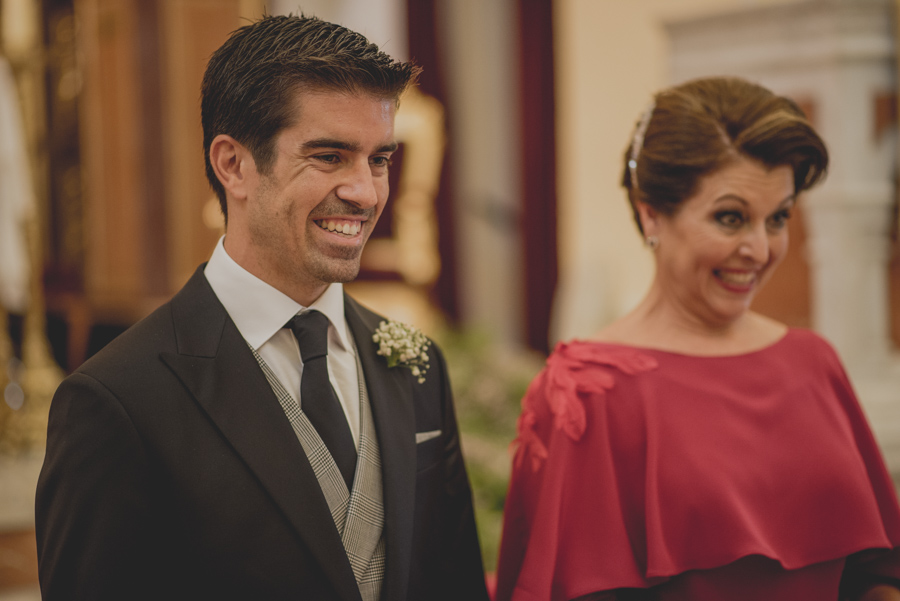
[{"x": 698, "y": 127}]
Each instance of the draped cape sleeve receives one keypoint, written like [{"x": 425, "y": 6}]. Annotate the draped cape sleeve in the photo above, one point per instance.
[{"x": 633, "y": 466}]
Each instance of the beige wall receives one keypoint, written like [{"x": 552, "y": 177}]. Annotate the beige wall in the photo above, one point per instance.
[{"x": 610, "y": 56}]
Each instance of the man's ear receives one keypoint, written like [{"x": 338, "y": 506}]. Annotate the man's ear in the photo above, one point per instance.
[
  {"x": 233, "y": 164},
  {"x": 649, "y": 218}
]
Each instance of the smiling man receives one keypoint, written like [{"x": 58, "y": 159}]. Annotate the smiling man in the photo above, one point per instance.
[
  {"x": 246, "y": 440},
  {"x": 301, "y": 224}
]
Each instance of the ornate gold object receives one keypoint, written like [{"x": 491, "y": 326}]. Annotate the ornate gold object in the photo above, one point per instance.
[{"x": 28, "y": 383}]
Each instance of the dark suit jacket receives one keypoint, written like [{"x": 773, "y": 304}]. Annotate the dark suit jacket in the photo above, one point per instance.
[{"x": 172, "y": 472}]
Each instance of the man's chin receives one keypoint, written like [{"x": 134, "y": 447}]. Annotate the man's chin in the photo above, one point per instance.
[
  {"x": 344, "y": 278},
  {"x": 338, "y": 271}
]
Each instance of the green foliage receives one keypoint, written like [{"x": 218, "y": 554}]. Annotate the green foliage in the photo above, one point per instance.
[{"x": 488, "y": 385}]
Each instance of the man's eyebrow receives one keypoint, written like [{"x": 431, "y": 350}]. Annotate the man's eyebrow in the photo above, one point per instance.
[
  {"x": 331, "y": 143},
  {"x": 320, "y": 143}
]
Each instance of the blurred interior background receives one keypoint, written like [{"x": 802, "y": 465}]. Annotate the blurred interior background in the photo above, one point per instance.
[{"x": 507, "y": 229}]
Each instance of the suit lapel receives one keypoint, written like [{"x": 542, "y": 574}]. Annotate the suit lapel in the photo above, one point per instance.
[
  {"x": 218, "y": 368},
  {"x": 390, "y": 397}
]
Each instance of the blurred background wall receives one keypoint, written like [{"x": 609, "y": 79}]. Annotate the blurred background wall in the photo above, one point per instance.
[{"x": 506, "y": 231}]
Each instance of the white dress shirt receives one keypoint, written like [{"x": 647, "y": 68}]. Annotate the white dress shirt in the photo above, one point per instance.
[{"x": 260, "y": 312}]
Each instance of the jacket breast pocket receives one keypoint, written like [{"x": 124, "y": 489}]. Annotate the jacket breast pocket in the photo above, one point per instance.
[{"x": 429, "y": 451}]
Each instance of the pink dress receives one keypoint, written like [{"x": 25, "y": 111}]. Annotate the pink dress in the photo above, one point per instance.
[{"x": 656, "y": 475}]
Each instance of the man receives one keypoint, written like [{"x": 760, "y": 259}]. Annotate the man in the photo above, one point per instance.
[{"x": 212, "y": 452}]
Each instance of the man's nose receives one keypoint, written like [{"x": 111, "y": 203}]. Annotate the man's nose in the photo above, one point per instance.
[{"x": 359, "y": 186}]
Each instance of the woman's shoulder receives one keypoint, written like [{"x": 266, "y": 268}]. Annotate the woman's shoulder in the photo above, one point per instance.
[
  {"x": 575, "y": 371},
  {"x": 809, "y": 339},
  {"x": 588, "y": 366},
  {"x": 582, "y": 354},
  {"x": 809, "y": 351}
]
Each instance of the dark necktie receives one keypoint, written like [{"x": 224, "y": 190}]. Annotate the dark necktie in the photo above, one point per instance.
[{"x": 317, "y": 397}]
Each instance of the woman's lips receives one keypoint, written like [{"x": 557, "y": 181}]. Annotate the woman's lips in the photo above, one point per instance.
[{"x": 737, "y": 281}]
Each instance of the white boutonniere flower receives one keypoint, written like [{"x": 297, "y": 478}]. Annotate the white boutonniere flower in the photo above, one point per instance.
[{"x": 403, "y": 345}]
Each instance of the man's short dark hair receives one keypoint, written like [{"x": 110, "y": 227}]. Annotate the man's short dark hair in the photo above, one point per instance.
[{"x": 251, "y": 79}]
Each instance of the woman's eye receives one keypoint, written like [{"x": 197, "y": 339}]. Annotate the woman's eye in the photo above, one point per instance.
[
  {"x": 779, "y": 219},
  {"x": 730, "y": 218}
]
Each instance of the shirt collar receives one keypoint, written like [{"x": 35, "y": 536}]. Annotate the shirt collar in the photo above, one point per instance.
[{"x": 258, "y": 309}]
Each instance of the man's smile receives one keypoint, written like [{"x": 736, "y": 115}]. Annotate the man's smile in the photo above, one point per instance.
[{"x": 348, "y": 227}]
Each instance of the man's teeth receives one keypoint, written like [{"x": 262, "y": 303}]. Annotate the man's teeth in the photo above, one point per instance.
[
  {"x": 350, "y": 228},
  {"x": 736, "y": 278}
]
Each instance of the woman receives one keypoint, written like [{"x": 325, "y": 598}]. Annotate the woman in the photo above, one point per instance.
[{"x": 696, "y": 450}]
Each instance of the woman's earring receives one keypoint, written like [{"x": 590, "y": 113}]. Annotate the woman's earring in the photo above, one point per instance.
[{"x": 652, "y": 242}]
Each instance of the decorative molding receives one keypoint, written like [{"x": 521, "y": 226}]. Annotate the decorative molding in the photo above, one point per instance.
[{"x": 783, "y": 37}]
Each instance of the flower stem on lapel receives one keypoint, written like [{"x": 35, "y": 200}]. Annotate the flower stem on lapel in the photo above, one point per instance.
[{"x": 403, "y": 345}]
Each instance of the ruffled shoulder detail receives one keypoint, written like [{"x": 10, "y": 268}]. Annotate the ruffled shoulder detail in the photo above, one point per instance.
[{"x": 573, "y": 369}]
